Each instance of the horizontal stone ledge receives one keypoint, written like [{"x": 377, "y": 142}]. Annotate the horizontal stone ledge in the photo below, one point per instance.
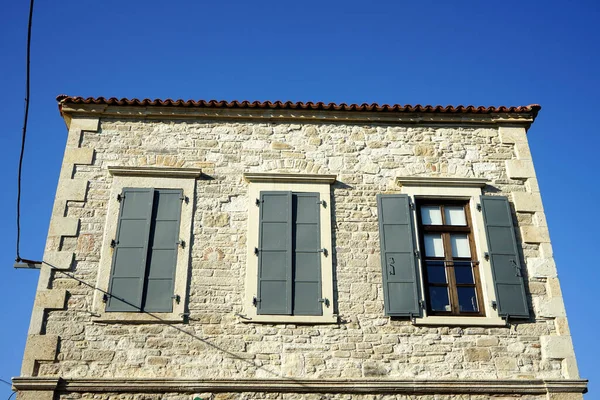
[
  {"x": 273, "y": 177},
  {"x": 365, "y": 386},
  {"x": 441, "y": 181},
  {"x": 159, "y": 172}
]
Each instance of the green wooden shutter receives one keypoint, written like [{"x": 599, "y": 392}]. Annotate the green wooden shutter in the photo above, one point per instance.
[
  {"x": 396, "y": 235},
  {"x": 504, "y": 257},
  {"x": 306, "y": 255},
  {"x": 164, "y": 238},
  {"x": 130, "y": 250},
  {"x": 275, "y": 253}
]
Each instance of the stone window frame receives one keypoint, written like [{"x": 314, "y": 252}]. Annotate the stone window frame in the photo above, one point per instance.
[
  {"x": 466, "y": 189},
  {"x": 144, "y": 177},
  {"x": 258, "y": 182}
]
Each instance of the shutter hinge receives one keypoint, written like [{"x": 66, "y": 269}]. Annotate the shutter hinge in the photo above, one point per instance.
[
  {"x": 120, "y": 197},
  {"x": 494, "y": 304},
  {"x": 105, "y": 298},
  {"x": 177, "y": 298},
  {"x": 323, "y": 203},
  {"x": 184, "y": 198},
  {"x": 478, "y": 206},
  {"x": 256, "y": 251},
  {"x": 324, "y": 301},
  {"x": 113, "y": 243},
  {"x": 255, "y": 301},
  {"x": 257, "y": 202},
  {"x": 417, "y": 253},
  {"x": 181, "y": 243},
  {"x": 324, "y": 251},
  {"x": 486, "y": 255},
  {"x": 411, "y": 205},
  {"x": 422, "y": 304}
]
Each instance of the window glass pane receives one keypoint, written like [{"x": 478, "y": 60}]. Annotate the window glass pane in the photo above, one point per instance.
[
  {"x": 431, "y": 215},
  {"x": 463, "y": 272},
  {"x": 434, "y": 247},
  {"x": 460, "y": 245},
  {"x": 467, "y": 299},
  {"x": 438, "y": 298},
  {"x": 455, "y": 215},
  {"x": 436, "y": 272}
]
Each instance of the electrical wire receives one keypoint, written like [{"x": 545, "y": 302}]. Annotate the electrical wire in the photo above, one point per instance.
[
  {"x": 23, "y": 136},
  {"x": 11, "y": 395}
]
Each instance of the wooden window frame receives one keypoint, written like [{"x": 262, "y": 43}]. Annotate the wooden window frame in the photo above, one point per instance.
[{"x": 448, "y": 259}]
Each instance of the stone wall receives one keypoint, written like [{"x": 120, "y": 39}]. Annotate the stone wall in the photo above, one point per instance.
[{"x": 215, "y": 343}]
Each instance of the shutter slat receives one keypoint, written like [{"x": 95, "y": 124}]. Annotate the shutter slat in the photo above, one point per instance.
[
  {"x": 504, "y": 257},
  {"x": 131, "y": 250},
  {"x": 163, "y": 250},
  {"x": 307, "y": 258},
  {"x": 275, "y": 255},
  {"x": 399, "y": 266}
]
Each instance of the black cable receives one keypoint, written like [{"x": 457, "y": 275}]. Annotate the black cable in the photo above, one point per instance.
[
  {"x": 18, "y": 259},
  {"x": 11, "y": 395},
  {"x": 7, "y": 382}
]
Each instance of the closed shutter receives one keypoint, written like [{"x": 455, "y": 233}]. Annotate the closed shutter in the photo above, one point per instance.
[
  {"x": 396, "y": 235},
  {"x": 130, "y": 250},
  {"x": 306, "y": 256},
  {"x": 504, "y": 257},
  {"x": 164, "y": 238},
  {"x": 275, "y": 253}
]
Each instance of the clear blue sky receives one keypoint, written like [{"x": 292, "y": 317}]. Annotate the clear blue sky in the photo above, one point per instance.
[{"x": 483, "y": 53}]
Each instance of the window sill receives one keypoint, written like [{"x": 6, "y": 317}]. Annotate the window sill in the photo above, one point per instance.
[
  {"x": 138, "y": 318},
  {"x": 290, "y": 319},
  {"x": 460, "y": 321}
]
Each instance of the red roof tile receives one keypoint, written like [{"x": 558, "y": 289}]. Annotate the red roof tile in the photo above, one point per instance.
[{"x": 288, "y": 105}]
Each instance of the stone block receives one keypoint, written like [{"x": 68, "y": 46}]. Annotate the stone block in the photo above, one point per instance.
[
  {"x": 217, "y": 220},
  {"x": 50, "y": 299},
  {"x": 549, "y": 307},
  {"x": 510, "y": 135},
  {"x": 78, "y": 155},
  {"x": 477, "y": 354},
  {"x": 527, "y": 202},
  {"x": 565, "y": 396},
  {"x": 519, "y": 169},
  {"x": 556, "y": 347},
  {"x": 280, "y": 146},
  {"x": 73, "y": 189},
  {"x": 541, "y": 267},
  {"x": 59, "y": 259},
  {"x": 85, "y": 124},
  {"x": 535, "y": 234},
  {"x": 35, "y": 395},
  {"x": 63, "y": 226},
  {"x": 523, "y": 152}
]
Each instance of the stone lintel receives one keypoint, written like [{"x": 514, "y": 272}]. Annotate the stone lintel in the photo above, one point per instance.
[
  {"x": 441, "y": 182},
  {"x": 358, "y": 386},
  {"x": 273, "y": 177},
  {"x": 159, "y": 172}
]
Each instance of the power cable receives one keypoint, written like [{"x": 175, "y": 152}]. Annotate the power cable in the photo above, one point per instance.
[
  {"x": 27, "y": 84},
  {"x": 11, "y": 395}
]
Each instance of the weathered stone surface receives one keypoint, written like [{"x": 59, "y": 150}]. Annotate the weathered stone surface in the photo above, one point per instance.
[{"x": 519, "y": 169}]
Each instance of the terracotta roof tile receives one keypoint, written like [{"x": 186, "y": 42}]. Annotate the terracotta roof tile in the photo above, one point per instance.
[{"x": 288, "y": 105}]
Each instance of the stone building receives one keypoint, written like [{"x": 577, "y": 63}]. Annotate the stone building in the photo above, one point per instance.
[{"x": 237, "y": 250}]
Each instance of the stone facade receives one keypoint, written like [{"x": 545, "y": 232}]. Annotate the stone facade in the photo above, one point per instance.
[{"x": 531, "y": 359}]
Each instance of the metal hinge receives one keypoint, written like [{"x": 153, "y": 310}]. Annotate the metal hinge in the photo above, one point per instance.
[
  {"x": 177, "y": 298},
  {"x": 417, "y": 253},
  {"x": 324, "y": 301},
  {"x": 113, "y": 243},
  {"x": 486, "y": 255},
  {"x": 181, "y": 243},
  {"x": 105, "y": 298},
  {"x": 494, "y": 304},
  {"x": 184, "y": 198},
  {"x": 256, "y": 251},
  {"x": 478, "y": 206},
  {"x": 324, "y": 251},
  {"x": 120, "y": 197},
  {"x": 257, "y": 202},
  {"x": 422, "y": 304},
  {"x": 255, "y": 301},
  {"x": 411, "y": 205},
  {"x": 323, "y": 203}
]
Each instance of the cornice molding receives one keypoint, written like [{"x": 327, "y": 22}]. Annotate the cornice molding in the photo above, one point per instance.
[
  {"x": 134, "y": 385},
  {"x": 271, "y": 177},
  {"x": 159, "y": 172},
  {"x": 441, "y": 182},
  {"x": 297, "y": 115}
]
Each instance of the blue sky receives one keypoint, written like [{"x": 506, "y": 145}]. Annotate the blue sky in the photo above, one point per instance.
[{"x": 483, "y": 53}]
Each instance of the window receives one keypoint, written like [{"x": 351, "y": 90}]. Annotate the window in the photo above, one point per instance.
[
  {"x": 289, "y": 276},
  {"x": 449, "y": 255},
  {"x": 145, "y": 251},
  {"x": 450, "y": 267}
]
